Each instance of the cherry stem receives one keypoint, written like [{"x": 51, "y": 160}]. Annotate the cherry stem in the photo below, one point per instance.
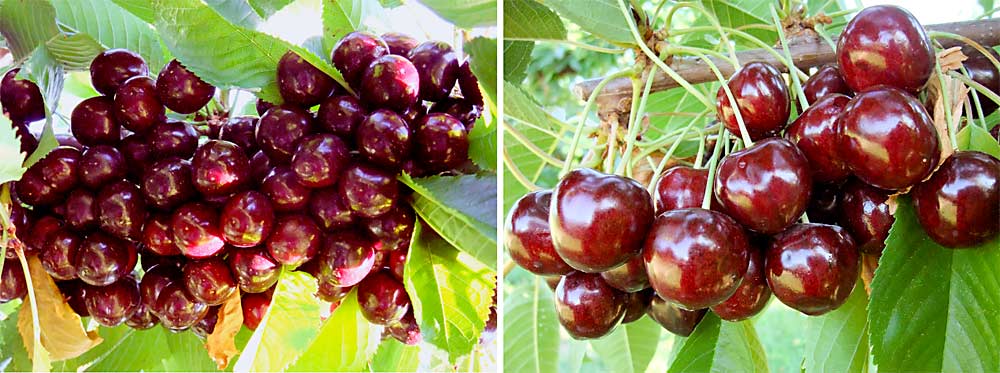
[
  {"x": 974, "y": 103},
  {"x": 943, "y": 95},
  {"x": 670, "y": 152},
  {"x": 676, "y": 135},
  {"x": 609, "y": 159},
  {"x": 571, "y": 154},
  {"x": 724, "y": 39},
  {"x": 518, "y": 175},
  {"x": 721, "y": 140},
  {"x": 38, "y": 361},
  {"x": 799, "y": 92},
  {"x": 701, "y": 149},
  {"x": 635, "y": 120},
  {"x": 978, "y": 87}
]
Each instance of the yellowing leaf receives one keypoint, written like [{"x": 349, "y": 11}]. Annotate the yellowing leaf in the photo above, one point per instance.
[
  {"x": 63, "y": 335},
  {"x": 221, "y": 344}
]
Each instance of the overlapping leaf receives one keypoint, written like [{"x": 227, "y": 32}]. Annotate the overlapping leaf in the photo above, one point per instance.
[
  {"x": 720, "y": 346},
  {"x": 516, "y": 58},
  {"x": 74, "y": 52},
  {"x": 267, "y": 8},
  {"x": 630, "y": 347},
  {"x": 288, "y": 329},
  {"x": 519, "y": 107},
  {"x": 344, "y": 16},
  {"x": 838, "y": 341},
  {"x": 528, "y": 19},
  {"x": 237, "y": 12},
  {"x": 345, "y": 341},
  {"x": 27, "y": 24},
  {"x": 531, "y": 332},
  {"x": 465, "y": 13},
  {"x": 114, "y": 26},
  {"x": 394, "y": 356},
  {"x": 11, "y": 157},
  {"x": 602, "y": 18},
  {"x": 483, "y": 52}
]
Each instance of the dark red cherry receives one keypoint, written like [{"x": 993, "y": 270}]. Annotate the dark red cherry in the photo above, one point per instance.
[
  {"x": 673, "y": 318},
  {"x": 260, "y": 167},
  {"x": 391, "y": 82},
  {"x": 280, "y": 130},
  {"x": 407, "y": 330},
  {"x": 462, "y": 109},
  {"x": 142, "y": 319},
  {"x": 469, "y": 85},
  {"x": 329, "y": 209},
  {"x": 167, "y": 184},
  {"x": 181, "y": 90},
  {"x": 752, "y": 295},
  {"x": 587, "y": 306},
  {"x": 196, "y": 230},
  {"x": 246, "y": 219},
  {"x": 384, "y": 138},
  {"x": 81, "y": 210},
  {"x": 369, "y": 191},
  {"x": 173, "y": 138},
  {"x": 255, "y": 271},
  {"x": 158, "y": 235},
  {"x": 826, "y": 81},
  {"x": 442, "y": 142},
  {"x": 629, "y": 277},
  {"x": 345, "y": 259},
  {"x": 111, "y": 305},
  {"x": 340, "y": 115},
  {"x": 21, "y": 98},
  {"x": 113, "y": 67},
  {"x": 206, "y": 326},
  {"x": 209, "y": 281},
  {"x": 75, "y": 293},
  {"x": 28, "y": 141},
  {"x": 824, "y": 204},
  {"x": 887, "y": 139},
  {"x": 815, "y": 134},
  {"x": 100, "y": 165},
  {"x": 34, "y": 191},
  {"x": 528, "y": 238},
  {"x": 765, "y": 187},
  {"x": 812, "y": 267},
  {"x": 354, "y": 52},
  {"x": 65, "y": 139},
  {"x": 296, "y": 239},
  {"x": 695, "y": 258},
  {"x": 332, "y": 294},
  {"x": 599, "y": 221},
  {"x": 12, "y": 282},
  {"x": 219, "y": 168},
  {"x": 397, "y": 262},
  {"x": 959, "y": 206},
  {"x": 102, "y": 259},
  {"x": 138, "y": 153},
  {"x": 36, "y": 238},
  {"x": 285, "y": 190},
  {"x": 636, "y": 305},
  {"x": 177, "y": 309},
  {"x": 121, "y": 209},
  {"x": 437, "y": 64},
  {"x": 383, "y": 299},
  {"x": 263, "y": 106},
  {"x": 414, "y": 112},
  {"x": 301, "y": 83},
  {"x": 254, "y": 308},
  {"x": 984, "y": 72},
  {"x": 136, "y": 105},
  {"x": 240, "y": 131},
  {"x": 864, "y": 212},
  {"x": 57, "y": 255},
  {"x": 93, "y": 122},
  {"x": 761, "y": 97},
  {"x": 154, "y": 280},
  {"x": 885, "y": 45},
  {"x": 59, "y": 169},
  {"x": 680, "y": 187},
  {"x": 399, "y": 44},
  {"x": 394, "y": 228},
  {"x": 320, "y": 159}
]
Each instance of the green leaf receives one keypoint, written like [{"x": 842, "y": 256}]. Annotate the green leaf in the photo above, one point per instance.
[
  {"x": 720, "y": 346},
  {"x": 683, "y": 109},
  {"x": 736, "y": 14},
  {"x": 74, "y": 52},
  {"x": 519, "y": 107},
  {"x": 45, "y": 144},
  {"x": 838, "y": 341},
  {"x": 394, "y": 356},
  {"x": 976, "y": 138},
  {"x": 27, "y": 24},
  {"x": 934, "y": 308},
  {"x": 344, "y": 16},
  {"x": 462, "y": 209},
  {"x": 12, "y": 346},
  {"x": 630, "y": 347},
  {"x": 11, "y": 158},
  {"x": 186, "y": 353},
  {"x": 531, "y": 332},
  {"x": 528, "y": 19},
  {"x": 140, "y": 8},
  {"x": 390, "y": 4},
  {"x": 451, "y": 293},
  {"x": 466, "y": 14},
  {"x": 123, "y": 349},
  {"x": 237, "y": 12},
  {"x": 483, "y": 143},
  {"x": 42, "y": 69},
  {"x": 289, "y": 327},
  {"x": 114, "y": 27},
  {"x": 516, "y": 58},
  {"x": 345, "y": 341},
  {"x": 267, "y": 8},
  {"x": 602, "y": 18},
  {"x": 483, "y": 54}
]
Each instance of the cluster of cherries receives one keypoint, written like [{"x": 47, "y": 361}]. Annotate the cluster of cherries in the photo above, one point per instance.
[
  {"x": 209, "y": 211},
  {"x": 613, "y": 252}
]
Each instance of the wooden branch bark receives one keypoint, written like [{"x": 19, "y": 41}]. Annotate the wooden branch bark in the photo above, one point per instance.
[{"x": 805, "y": 54}]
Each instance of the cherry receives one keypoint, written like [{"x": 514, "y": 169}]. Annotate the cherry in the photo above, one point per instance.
[
  {"x": 209, "y": 281},
  {"x": 113, "y": 304},
  {"x": 752, "y": 295},
  {"x": 280, "y": 130},
  {"x": 766, "y": 186},
  {"x": 240, "y": 131},
  {"x": 528, "y": 238},
  {"x": 158, "y": 235},
  {"x": 121, "y": 209},
  {"x": 414, "y": 112},
  {"x": 93, "y": 122},
  {"x": 34, "y": 191},
  {"x": 406, "y": 330},
  {"x": 75, "y": 294},
  {"x": 196, "y": 231},
  {"x": 598, "y": 221},
  {"x": 177, "y": 309},
  {"x": 629, "y": 277},
  {"x": 399, "y": 44},
  {"x": 812, "y": 267},
  {"x": 332, "y": 294},
  {"x": 394, "y": 228},
  {"x": 167, "y": 184},
  {"x": 885, "y": 45},
  {"x": 437, "y": 64},
  {"x": 340, "y": 115},
  {"x": 136, "y": 105},
  {"x": 100, "y": 165},
  {"x": 673, "y": 318},
  {"x": 142, "y": 319},
  {"x": 354, "y": 52},
  {"x": 301, "y": 83},
  {"x": 38, "y": 235},
  {"x": 181, "y": 90},
  {"x": 397, "y": 262},
  {"x": 469, "y": 85},
  {"x": 206, "y": 326},
  {"x": 984, "y": 72},
  {"x": 761, "y": 97},
  {"x": 815, "y": 134},
  {"x": 59, "y": 169},
  {"x": 65, "y": 139},
  {"x": 636, "y": 304},
  {"x": 391, "y": 82},
  {"x": 587, "y": 306},
  {"x": 255, "y": 271},
  {"x": 57, "y": 255},
  {"x": 138, "y": 154},
  {"x": 319, "y": 160},
  {"x": 28, "y": 141},
  {"x": 296, "y": 239},
  {"x": 888, "y": 139},
  {"x": 219, "y": 168},
  {"x": 824, "y": 204},
  {"x": 260, "y": 167},
  {"x": 154, "y": 280},
  {"x": 12, "y": 282},
  {"x": 329, "y": 209},
  {"x": 173, "y": 138},
  {"x": 864, "y": 212},
  {"x": 384, "y": 138},
  {"x": 246, "y": 219},
  {"x": 254, "y": 308},
  {"x": 826, "y": 81},
  {"x": 463, "y": 110},
  {"x": 382, "y": 298},
  {"x": 263, "y": 106},
  {"x": 102, "y": 259},
  {"x": 368, "y": 191},
  {"x": 442, "y": 142},
  {"x": 959, "y": 205},
  {"x": 345, "y": 259},
  {"x": 680, "y": 187},
  {"x": 81, "y": 210},
  {"x": 113, "y": 67},
  {"x": 21, "y": 98},
  {"x": 285, "y": 190}
]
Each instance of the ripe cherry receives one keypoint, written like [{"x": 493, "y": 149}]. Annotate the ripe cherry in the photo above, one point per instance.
[
  {"x": 280, "y": 130},
  {"x": 177, "y": 309},
  {"x": 329, "y": 209},
  {"x": 255, "y": 271},
  {"x": 345, "y": 259},
  {"x": 81, "y": 210},
  {"x": 815, "y": 134},
  {"x": 442, "y": 142},
  {"x": 752, "y": 295},
  {"x": 75, "y": 294},
  {"x": 864, "y": 212},
  {"x": 142, "y": 319},
  {"x": 301, "y": 83},
  {"x": 673, "y": 318},
  {"x": 397, "y": 262},
  {"x": 138, "y": 153},
  {"x": 384, "y": 138},
  {"x": 100, "y": 165},
  {"x": 206, "y": 326},
  {"x": 812, "y": 267},
  {"x": 219, "y": 168},
  {"x": 399, "y": 44},
  {"x": 102, "y": 259},
  {"x": 57, "y": 255},
  {"x": 629, "y": 277},
  {"x": 121, "y": 209},
  {"x": 587, "y": 307},
  {"x": 391, "y": 82},
  {"x": 824, "y": 203},
  {"x": 285, "y": 190},
  {"x": 209, "y": 280},
  {"x": 241, "y": 131},
  {"x": 167, "y": 184},
  {"x": 437, "y": 64},
  {"x": 38, "y": 235},
  {"x": 113, "y": 67},
  {"x": 394, "y": 228},
  {"x": 636, "y": 305},
  {"x": 885, "y": 45},
  {"x": 12, "y": 282},
  {"x": 984, "y": 72},
  {"x": 181, "y": 90},
  {"x": 383, "y": 300},
  {"x": 354, "y": 52},
  {"x": 21, "y": 98},
  {"x": 158, "y": 235},
  {"x": 528, "y": 238},
  {"x": 93, "y": 122},
  {"x": 295, "y": 240},
  {"x": 332, "y": 294},
  {"x": 407, "y": 330},
  {"x": 826, "y": 81},
  {"x": 263, "y": 106},
  {"x": 246, "y": 219},
  {"x": 761, "y": 97},
  {"x": 462, "y": 109},
  {"x": 136, "y": 105},
  {"x": 111, "y": 305},
  {"x": 154, "y": 280},
  {"x": 173, "y": 138},
  {"x": 320, "y": 159},
  {"x": 195, "y": 227},
  {"x": 369, "y": 191},
  {"x": 340, "y": 115},
  {"x": 680, "y": 187},
  {"x": 959, "y": 205},
  {"x": 254, "y": 308},
  {"x": 59, "y": 169}
]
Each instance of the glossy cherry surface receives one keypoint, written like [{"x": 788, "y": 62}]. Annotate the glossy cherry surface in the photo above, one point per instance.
[
  {"x": 812, "y": 267},
  {"x": 587, "y": 307},
  {"x": 167, "y": 183},
  {"x": 209, "y": 280},
  {"x": 255, "y": 270},
  {"x": 887, "y": 139},
  {"x": 528, "y": 238},
  {"x": 280, "y": 130},
  {"x": 394, "y": 228},
  {"x": 354, "y": 52},
  {"x": 407, "y": 330},
  {"x": 285, "y": 190},
  {"x": 864, "y": 212},
  {"x": 959, "y": 206},
  {"x": 254, "y": 307},
  {"x": 815, "y": 134},
  {"x": 885, "y": 45},
  {"x": 382, "y": 298},
  {"x": 695, "y": 258},
  {"x": 136, "y": 105},
  {"x": 113, "y": 67},
  {"x": 142, "y": 319},
  {"x": 761, "y": 97},
  {"x": 75, "y": 294},
  {"x": 320, "y": 159},
  {"x": 368, "y": 190},
  {"x": 399, "y": 44},
  {"x": 301, "y": 83},
  {"x": 437, "y": 64},
  {"x": 329, "y": 209},
  {"x": 219, "y": 167},
  {"x": 636, "y": 305},
  {"x": 100, "y": 165},
  {"x": 296, "y": 239},
  {"x": 93, "y": 122},
  {"x": 241, "y": 131},
  {"x": 121, "y": 209},
  {"x": 384, "y": 138},
  {"x": 826, "y": 81},
  {"x": 206, "y": 326},
  {"x": 154, "y": 280},
  {"x": 629, "y": 277},
  {"x": 158, "y": 235},
  {"x": 34, "y": 191},
  {"x": 469, "y": 85},
  {"x": 173, "y": 138},
  {"x": 12, "y": 282},
  {"x": 195, "y": 226},
  {"x": 138, "y": 154},
  {"x": 752, "y": 295},
  {"x": 680, "y": 187},
  {"x": 673, "y": 318},
  {"x": 81, "y": 210},
  {"x": 765, "y": 187},
  {"x": 598, "y": 221},
  {"x": 263, "y": 106},
  {"x": 340, "y": 115},
  {"x": 57, "y": 254},
  {"x": 21, "y": 98},
  {"x": 397, "y": 262},
  {"x": 246, "y": 219},
  {"x": 984, "y": 72},
  {"x": 345, "y": 259},
  {"x": 111, "y": 305},
  {"x": 59, "y": 169},
  {"x": 28, "y": 141},
  {"x": 391, "y": 82},
  {"x": 824, "y": 203},
  {"x": 177, "y": 309},
  {"x": 442, "y": 142},
  {"x": 102, "y": 259},
  {"x": 38, "y": 235},
  {"x": 462, "y": 109},
  {"x": 181, "y": 90},
  {"x": 332, "y": 294}
]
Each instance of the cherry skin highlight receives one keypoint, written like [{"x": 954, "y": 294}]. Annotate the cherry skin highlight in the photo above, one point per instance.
[
  {"x": 528, "y": 238},
  {"x": 959, "y": 205},
  {"x": 812, "y": 267},
  {"x": 587, "y": 307}
]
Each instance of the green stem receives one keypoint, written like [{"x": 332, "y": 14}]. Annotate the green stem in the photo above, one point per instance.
[
  {"x": 724, "y": 40},
  {"x": 753, "y": 40},
  {"x": 534, "y": 149},
  {"x": 667, "y": 155},
  {"x": 943, "y": 95},
  {"x": 635, "y": 120},
  {"x": 701, "y": 150},
  {"x": 723, "y": 138},
  {"x": 583, "y": 118},
  {"x": 970, "y": 42},
  {"x": 788, "y": 62}
]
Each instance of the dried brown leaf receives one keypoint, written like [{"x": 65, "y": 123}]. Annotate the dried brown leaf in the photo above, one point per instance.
[
  {"x": 869, "y": 263},
  {"x": 951, "y": 59},
  {"x": 957, "y": 93},
  {"x": 221, "y": 344},
  {"x": 63, "y": 334}
]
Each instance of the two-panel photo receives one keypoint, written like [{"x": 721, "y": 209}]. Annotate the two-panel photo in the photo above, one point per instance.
[{"x": 525, "y": 186}]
